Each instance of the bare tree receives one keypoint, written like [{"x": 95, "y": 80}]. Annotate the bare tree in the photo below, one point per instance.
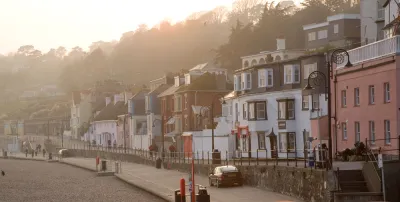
[{"x": 219, "y": 14}]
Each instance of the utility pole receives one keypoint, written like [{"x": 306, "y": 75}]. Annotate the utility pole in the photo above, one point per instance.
[
  {"x": 162, "y": 137},
  {"x": 48, "y": 129}
]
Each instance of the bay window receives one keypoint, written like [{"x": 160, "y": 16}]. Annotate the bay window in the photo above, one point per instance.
[
  {"x": 265, "y": 78},
  {"x": 246, "y": 81}
]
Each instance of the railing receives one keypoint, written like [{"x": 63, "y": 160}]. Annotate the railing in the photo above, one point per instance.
[
  {"x": 390, "y": 150},
  {"x": 372, "y": 51}
]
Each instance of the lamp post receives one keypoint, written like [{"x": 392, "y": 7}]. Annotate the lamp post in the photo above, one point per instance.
[
  {"x": 162, "y": 134},
  {"x": 318, "y": 78},
  {"x": 212, "y": 117}
]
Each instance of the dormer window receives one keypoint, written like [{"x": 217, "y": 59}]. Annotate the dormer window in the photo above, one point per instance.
[
  {"x": 292, "y": 74},
  {"x": 265, "y": 78},
  {"x": 237, "y": 80},
  {"x": 177, "y": 79},
  {"x": 187, "y": 79},
  {"x": 246, "y": 81}
]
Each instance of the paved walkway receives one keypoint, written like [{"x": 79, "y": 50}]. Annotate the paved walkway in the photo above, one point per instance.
[{"x": 164, "y": 182}]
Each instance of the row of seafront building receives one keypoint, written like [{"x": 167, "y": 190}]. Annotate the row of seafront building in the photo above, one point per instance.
[{"x": 264, "y": 105}]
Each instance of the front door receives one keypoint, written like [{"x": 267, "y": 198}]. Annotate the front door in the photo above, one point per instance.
[{"x": 274, "y": 152}]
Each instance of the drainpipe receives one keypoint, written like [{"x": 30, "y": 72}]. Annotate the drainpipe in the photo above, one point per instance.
[
  {"x": 195, "y": 98},
  {"x": 335, "y": 116}
]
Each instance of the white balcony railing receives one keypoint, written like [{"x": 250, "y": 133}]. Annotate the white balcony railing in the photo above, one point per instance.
[
  {"x": 374, "y": 50},
  {"x": 381, "y": 14}
]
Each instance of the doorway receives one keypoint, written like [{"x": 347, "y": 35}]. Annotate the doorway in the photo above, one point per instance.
[{"x": 274, "y": 152}]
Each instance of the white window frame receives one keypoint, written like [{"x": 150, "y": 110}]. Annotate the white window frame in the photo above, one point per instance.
[
  {"x": 246, "y": 81},
  {"x": 357, "y": 131},
  {"x": 290, "y": 75},
  {"x": 178, "y": 103},
  {"x": 336, "y": 28},
  {"x": 387, "y": 131},
  {"x": 371, "y": 96},
  {"x": 386, "y": 88},
  {"x": 238, "y": 83},
  {"x": 323, "y": 34},
  {"x": 308, "y": 69},
  {"x": 315, "y": 101},
  {"x": 343, "y": 95},
  {"x": 252, "y": 109},
  {"x": 344, "y": 131},
  {"x": 270, "y": 77},
  {"x": 372, "y": 136},
  {"x": 261, "y": 140},
  {"x": 356, "y": 96},
  {"x": 259, "y": 111},
  {"x": 262, "y": 78},
  {"x": 291, "y": 112},
  {"x": 305, "y": 102},
  {"x": 311, "y": 36},
  {"x": 245, "y": 111}
]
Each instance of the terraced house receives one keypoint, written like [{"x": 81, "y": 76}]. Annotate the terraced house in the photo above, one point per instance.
[{"x": 268, "y": 108}]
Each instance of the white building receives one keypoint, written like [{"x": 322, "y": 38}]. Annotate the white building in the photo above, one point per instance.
[
  {"x": 81, "y": 112},
  {"x": 269, "y": 113}
]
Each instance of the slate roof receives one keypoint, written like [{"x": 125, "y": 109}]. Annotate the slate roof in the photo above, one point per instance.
[
  {"x": 140, "y": 95},
  {"x": 160, "y": 89},
  {"x": 76, "y": 97},
  {"x": 111, "y": 111},
  {"x": 99, "y": 105},
  {"x": 206, "y": 82}
]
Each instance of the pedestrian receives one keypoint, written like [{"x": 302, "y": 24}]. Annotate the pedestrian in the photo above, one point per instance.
[
  {"x": 26, "y": 152},
  {"x": 44, "y": 152}
]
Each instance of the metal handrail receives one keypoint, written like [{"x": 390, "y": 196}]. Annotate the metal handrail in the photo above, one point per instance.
[{"x": 373, "y": 160}]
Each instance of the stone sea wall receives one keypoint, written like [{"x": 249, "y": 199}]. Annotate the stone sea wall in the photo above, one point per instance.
[{"x": 304, "y": 183}]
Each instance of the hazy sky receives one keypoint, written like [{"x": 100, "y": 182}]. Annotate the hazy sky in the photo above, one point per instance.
[{"x": 52, "y": 23}]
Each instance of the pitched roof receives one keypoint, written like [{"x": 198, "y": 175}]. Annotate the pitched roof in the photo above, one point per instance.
[
  {"x": 76, "y": 97},
  {"x": 160, "y": 89},
  {"x": 140, "y": 95},
  {"x": 111, "y": 111},
  {"x": 206, "y": 66},
  {"x": 171, "y": 90},
  {"x": 205, "y": 82}
]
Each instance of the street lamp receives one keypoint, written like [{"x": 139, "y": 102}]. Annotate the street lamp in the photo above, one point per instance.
[
  {"x": 212, "y": 117},
  {"x": 162, "y": 133},
  {"x": 318, "y": 78}
]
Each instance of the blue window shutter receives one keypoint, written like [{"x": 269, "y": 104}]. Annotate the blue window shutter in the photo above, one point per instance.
[{"x": 151, "y": 103}]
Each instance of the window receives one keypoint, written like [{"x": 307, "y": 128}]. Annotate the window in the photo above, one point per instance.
[
  {"x": 246, "y": 81},
  {"x": 186, "y": 101},
  {"x": 372, "y": 132},
  {"x": 261, "y": 140},
  {"x": 371, "y": 96},
  {"x": 265, "y": 78},
  {"x": 308, "y": 69},
  {"x": 356, "y": 96},
  {"x": 187, "y": 79},
  {"x": 186, "y": 123},
  {"x": 357, "y": 131},
  {"x": 336, "y": 28},
  {"x": 292, "y": 74},
  {"x": 178, "y": 124},
  {"x": 287, "y": 142},
  {"x": 286, "y": 109},
  {"x": 323, "y": 34},
  {"x": 244, "y": 144},
  {"x": 262, "y": 80},
  {"x": 257, "y": 111},
  {"x": 270, "y": 77},
  {"x": 261, "y": 112},
  {"x": 315, "y": 101},
  {"x": 178, "y": 103},
  {"x": 237, "y": 84},
  {"x": 344, "y": 131},
  {"x": 251, "y": 111},
  {"x": 244, "y": 111},
  {"x": 386, "y": 87},
  {"x": 311, "y": 36},
  {"x": 387, "y": 131},
  {"x": 343, "y": 93},
  {"x": 305, "y": 102}
]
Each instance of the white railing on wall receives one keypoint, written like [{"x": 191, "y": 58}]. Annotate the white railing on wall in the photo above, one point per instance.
[{"x": 372, "y": 51}]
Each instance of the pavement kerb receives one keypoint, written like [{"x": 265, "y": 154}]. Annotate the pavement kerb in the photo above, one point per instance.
[
  {"x": 144, "y": 188},
  {"x": 22, "y": 158},
  {"x": 78, "y": 166}
]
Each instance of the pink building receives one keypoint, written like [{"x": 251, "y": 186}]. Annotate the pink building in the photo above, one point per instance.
[{"x": 365, "y": 105}]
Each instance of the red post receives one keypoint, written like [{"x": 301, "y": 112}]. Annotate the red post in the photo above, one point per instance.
[
  {"x": 97, "y": 160},
  {"x": 193, "y": 183},
  {"x": 183, "y": 188}
]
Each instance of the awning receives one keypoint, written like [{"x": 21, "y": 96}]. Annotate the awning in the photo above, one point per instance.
[
  {"x": 186, "y": 134},
  {"x": 171, "y": 121}
]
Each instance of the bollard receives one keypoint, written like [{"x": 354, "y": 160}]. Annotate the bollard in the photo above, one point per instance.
[
  {"x": 202, "y": 195},
  {"x": 182, "y": 190},
  {"x": 97, "y": 163},
  {"x": 50, "y": 156}
]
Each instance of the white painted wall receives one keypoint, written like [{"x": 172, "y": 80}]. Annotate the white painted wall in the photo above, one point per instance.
[
  {"x": 301, "y": 122},
  {"x": 139, "y": 141},
  {"x": 102, "y": 127}
]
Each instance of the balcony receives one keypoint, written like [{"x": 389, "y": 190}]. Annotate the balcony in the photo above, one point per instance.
[{"x": 373, "y": 51}]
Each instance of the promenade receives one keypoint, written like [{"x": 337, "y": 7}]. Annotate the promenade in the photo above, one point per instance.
[{"x": 163, "y": 182}]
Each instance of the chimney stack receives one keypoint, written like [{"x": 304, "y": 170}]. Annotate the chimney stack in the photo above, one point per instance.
[{"x": 280, "y": 43}]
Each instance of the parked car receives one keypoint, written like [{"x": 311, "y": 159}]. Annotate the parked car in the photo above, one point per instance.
[{"x": 225, "y": 175}]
